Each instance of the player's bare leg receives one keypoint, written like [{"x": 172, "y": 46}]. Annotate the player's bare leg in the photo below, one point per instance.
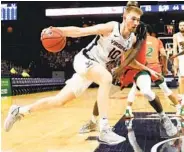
[
  {"x": 144, "y": 84},
  {"x": 16, "y": 112},
  {"x": 92, "y": 124},
  {"x": 173, "y": 97},
  {"x": 101, "y": 76},
  {"x": 131, "y": 98}
]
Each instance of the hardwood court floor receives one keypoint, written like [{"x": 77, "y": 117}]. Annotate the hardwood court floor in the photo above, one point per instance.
[{"x": 56, "y": 130}]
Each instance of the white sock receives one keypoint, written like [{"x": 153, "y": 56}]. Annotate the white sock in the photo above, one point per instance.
[
  {"x": 178, "y": 106},
  {"x": 129, "y": 107},
  {"x": 162, "y": 114},
  {"x": 103, "y": 123},
  {"x": 24, "y": 110},
  {"x": 94, "y": 119}
]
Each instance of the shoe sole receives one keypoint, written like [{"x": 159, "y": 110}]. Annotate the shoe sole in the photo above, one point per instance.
[
  {"x": 112, "y": 143},
  {"x": 88, "y": 131}
]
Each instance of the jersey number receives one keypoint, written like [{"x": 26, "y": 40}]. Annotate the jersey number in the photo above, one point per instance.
[
  {"x": 150, "y": 50},
  {"x": 113, "y": 54}
]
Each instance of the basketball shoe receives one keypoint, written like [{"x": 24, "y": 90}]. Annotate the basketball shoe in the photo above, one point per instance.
[
  {"x": 108, "y": 137},
  {"x": 171, "y": 130},
  {"x": 88, "y": 127},
  {"x": 13, "y": 116}
]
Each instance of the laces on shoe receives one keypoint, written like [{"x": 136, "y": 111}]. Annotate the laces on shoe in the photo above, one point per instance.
[
  {"x": 109, "y": 129},
  {"x": 167, "y": 123},
  {"x": 87, "y": 125},
  {"x": 15, "y": 111}
]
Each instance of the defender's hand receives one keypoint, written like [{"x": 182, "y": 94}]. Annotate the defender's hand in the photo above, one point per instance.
[
  {"x": 141, "y": 32},
  {"x": 118, "y": 72}
]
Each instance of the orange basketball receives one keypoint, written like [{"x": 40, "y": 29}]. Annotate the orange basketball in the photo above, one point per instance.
[{"x": 53, "y": 40}]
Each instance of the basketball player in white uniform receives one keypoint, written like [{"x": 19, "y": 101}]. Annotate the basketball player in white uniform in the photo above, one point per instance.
[
  {"x": 178, "y": 42},
  {"x": 111, "y": 41},
  {"x": 143, "y": 82}
]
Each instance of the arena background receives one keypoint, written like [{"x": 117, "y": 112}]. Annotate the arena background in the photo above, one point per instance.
[
  {"x": 21, "y": 47},
  {"x": 28, "y": 69}
]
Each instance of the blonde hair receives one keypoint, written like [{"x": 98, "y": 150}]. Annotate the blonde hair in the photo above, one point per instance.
[{"x": 132, "y": 6}]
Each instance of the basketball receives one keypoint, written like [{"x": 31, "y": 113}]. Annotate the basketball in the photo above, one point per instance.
[{"x": 53, "y": 40}]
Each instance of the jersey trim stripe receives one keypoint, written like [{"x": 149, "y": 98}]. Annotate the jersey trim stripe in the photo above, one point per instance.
[
  {"x": 119, "y": 28},
  {"x": 85, "y": 50}
]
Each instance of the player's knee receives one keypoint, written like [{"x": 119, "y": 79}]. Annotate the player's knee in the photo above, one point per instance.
[
  {"x": 150, "y": 95},
  {"x": 106, "y": 79}
]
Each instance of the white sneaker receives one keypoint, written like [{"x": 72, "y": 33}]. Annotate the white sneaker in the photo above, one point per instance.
[
  {"x": 108, "y": 137},
  {"x": 171, "y": 130},
  {"x": 13, "y": 116}
]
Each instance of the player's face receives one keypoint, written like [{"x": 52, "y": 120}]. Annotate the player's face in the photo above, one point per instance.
[
  {"x": 132, "y": 20},
  {"x": 181, "y": 27}
]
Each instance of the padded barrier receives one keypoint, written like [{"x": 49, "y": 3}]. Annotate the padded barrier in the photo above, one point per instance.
[{"x": 33, "y": 85}]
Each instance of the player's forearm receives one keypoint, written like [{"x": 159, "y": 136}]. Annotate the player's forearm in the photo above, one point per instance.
[
  {"x": 179, "y": 54},
  {"x": 174, "y": 45},
  {"x": 137, "y": 65},
  {"x": 73, "y": 31},
  {"x": 99, "y": 29},
  {"x": 176, "y": 63},
  {"x": 132, "y": 54},
  {"x": 165, "y": 61},
  {"x": 175, "y": 53}
]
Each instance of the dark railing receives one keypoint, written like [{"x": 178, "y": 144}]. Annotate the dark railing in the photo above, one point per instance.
[{"x": 33, "y": 85}]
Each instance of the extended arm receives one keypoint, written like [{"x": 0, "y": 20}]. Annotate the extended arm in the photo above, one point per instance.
[
  {"x": 132, "y": 53},
  {"x": 73, "y": 31},
  {"x": 179, "y": 54},
  {"x": 137, "y": 65},
  {"x": 164, "y": 60}
]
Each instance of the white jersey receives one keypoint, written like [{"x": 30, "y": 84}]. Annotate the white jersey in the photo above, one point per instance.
[
  {"x": 108, "y": 48},
  {"x": 180, "y": 38}
]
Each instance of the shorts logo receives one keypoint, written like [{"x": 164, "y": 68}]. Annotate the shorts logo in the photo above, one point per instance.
[{"x": 88, "y": 64}]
